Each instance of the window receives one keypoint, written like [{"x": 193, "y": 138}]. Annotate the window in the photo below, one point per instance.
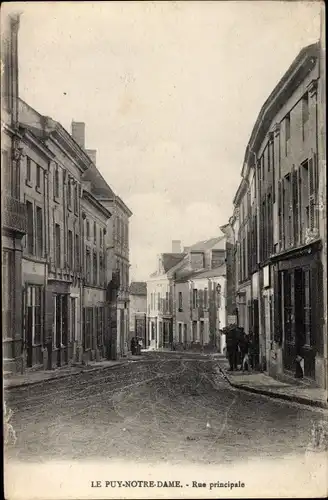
[
  {"x": 305, "y": 108},
  {"x": 77, "y": 252},
  {"x": 88, "y": 327},
  {"x": 57, "y": 246},
  {"x": 167, "y": 305},
  {"x": 101, "y": 270},
  {"x": 7, "y": 172},
  {"x": 100, "y": 326},
  {"x": 70, "y": 249},
  {"x": 34, "y": 313},
  {"x": 195, "y": 298},
  {"x": 56, "y": 182},
  {"x": 76, "y": 195},
  {"x": 194, "y": 331},
  {"x": 287, "y": 133},
  {"x": 95, "y": 233},
  {"x": 30, "y": 228},
  {"x": 39, "y": 232},
  {"x": 100, "y": 238},
  {"x": 28, "y": 169},
  {"x": 8, "y": 293},
  {"x": 88, "y": 266},
  {"x": 95, "y": 268},
  {"x": 88, "y": 229},
  {"x": 69, "y": 192},
  {"x": 180, "y": 333},
  {"x": 158, "y": 301},
  {"x": 180, "y": 301},
  {"x": 205, "y": 298},
  {"x": 307, "y": 307},
  {"x": 38, "y": 176}
]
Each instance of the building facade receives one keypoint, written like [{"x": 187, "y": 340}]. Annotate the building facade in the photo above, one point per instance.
[
  {"x": 279, "y": 238},
  {"x": 94, "y": 229},
  {"x": 186, "y": 297},
  {"x": 117, "y": 255},
  {"x": 138, "y": 310},
  {"x": 13, "y": 210}
]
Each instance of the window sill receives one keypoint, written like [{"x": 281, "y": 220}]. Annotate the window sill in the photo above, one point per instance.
[
  {"x": 38, "y": 189},
  {"x": 56, "y": 199},
  {"x": 28, "y": 183}
]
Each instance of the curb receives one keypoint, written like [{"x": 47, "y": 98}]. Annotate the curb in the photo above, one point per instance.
[
  {"x": 275, "y": 395},
  {"x": 65, "y": 375}
]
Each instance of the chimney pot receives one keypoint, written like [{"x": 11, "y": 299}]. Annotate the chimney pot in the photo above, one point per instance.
[{"x": 78, "y": 133}]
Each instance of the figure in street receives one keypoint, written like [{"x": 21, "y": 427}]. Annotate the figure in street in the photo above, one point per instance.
[
  {"x": 232, "y": 346},
  {"x": 133, "y": 346}
]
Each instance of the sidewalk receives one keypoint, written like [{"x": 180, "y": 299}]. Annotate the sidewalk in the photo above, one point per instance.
[
  {"x": 297, "y": 390},
  {"x": 41, "y": 376}
]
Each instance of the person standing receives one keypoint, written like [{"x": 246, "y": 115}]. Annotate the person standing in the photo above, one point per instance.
[
  {"x": 133, "y": 346},
  {"x": 245, "y": 345},
  {"x": 232, "y": 347}
]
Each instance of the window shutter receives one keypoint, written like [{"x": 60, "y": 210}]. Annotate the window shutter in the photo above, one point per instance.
[
  {"x": 316, "y": 301},
  {"x": 295, "y": 205}
]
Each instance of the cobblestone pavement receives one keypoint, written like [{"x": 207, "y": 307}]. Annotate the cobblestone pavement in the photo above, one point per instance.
[{"x": 164, "y": 409}]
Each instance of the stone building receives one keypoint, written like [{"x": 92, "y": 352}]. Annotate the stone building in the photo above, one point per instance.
[
  {"x": 13, "y": 210},
  {"x": 186, "y": 297},
  {"x": 280, "y": 239},
  {"x": 94, "y": 228},
  {"x": 138, "y": 310},
  {"x": 117, "y": 240}
]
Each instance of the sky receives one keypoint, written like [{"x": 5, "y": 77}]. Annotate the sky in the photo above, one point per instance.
[{"x": 169, "y": 92}]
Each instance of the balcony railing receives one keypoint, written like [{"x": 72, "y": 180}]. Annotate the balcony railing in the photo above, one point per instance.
[{"x": 14, "y": 215}]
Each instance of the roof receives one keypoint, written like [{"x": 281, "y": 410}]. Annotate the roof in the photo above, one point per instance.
[
  {"x": 171, "y": 259},
  {"x": 297, "y": 71},
  {"x": 138, "y": 288},
  {"x": 202, "y": 246},
  {"x": 209, "y": 273}
]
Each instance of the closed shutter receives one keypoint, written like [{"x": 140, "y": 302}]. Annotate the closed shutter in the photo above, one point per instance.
[
  {"x": 311, "y": 195},
  {"x": 295, "y": 206},
  {"x": 24, "y": 315},
  {"x": 84, "y": 327},
  {"x": 316, "y": 299}
]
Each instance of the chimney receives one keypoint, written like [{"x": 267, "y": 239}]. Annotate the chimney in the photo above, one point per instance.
[
  {"x": 78, "y": 133},
  {"x": 92, "y": 153},
  {"x": 176, "y": 246}
]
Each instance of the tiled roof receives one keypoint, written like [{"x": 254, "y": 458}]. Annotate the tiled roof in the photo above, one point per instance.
[
  {"x": 202, "y": 246},
  {"x": 208, "y": 273},
  {"x": 138, "y": 288},
  {"x": 171, "y": 259}
]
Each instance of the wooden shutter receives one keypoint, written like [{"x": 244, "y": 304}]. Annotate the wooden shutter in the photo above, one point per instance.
[
  {"x": 317, "y": 306},
  {"x": 311, "y": 180},
  {"x": 295, "y": 206}
]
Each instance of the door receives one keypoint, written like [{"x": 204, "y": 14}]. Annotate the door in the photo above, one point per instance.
[
  {"x": 201, "y": 333},
  {"x": 255, "y": 329},
  {"x": 29, "y": 330},
  {"x": 185, "y": 334}
]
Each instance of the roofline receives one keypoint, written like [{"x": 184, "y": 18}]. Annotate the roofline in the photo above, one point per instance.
[
  {"x": 28, "y": 135},
  {"x": 301, "y": 66},
  {"x": 54, "y": 128},
  {"x": 89, "y": 196},
  {"x": 120, "y": 202}
]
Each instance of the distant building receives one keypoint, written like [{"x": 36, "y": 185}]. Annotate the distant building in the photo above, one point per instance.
[
  {"x": 186, "y": 297},
  {"x": 138, "y": 310}
]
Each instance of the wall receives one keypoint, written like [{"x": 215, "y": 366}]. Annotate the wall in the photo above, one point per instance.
[{"x": 138, "y": 303}]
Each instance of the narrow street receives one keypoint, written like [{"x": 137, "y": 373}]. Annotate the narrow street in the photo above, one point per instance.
[{"x": 169, "y": 409}]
